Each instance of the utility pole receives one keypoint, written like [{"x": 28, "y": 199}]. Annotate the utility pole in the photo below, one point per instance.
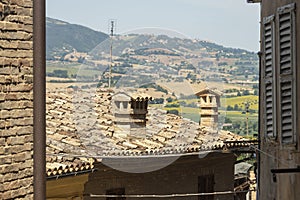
[
  {"x": 112, "y": 24},
  {"x": 247, "y": 119}
]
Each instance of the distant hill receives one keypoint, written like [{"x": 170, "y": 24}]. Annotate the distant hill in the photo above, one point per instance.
[
  {"x": 141, "y": 44},
  {"x": 63, "y": 38},
  {"x": 209, "y": 61},
  {"x": 179, "y": 53}
]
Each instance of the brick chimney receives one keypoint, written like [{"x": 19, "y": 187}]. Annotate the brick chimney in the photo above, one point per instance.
[
  {"x": 209, "y": 103},
  {"x": 130, "y": 113}
]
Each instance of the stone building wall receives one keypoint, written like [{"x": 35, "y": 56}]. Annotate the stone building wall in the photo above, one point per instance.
[
  {"x": 16, "y": 99},
  {"x": 277, "y": 151},
  {"x": 180, "y": 177}
]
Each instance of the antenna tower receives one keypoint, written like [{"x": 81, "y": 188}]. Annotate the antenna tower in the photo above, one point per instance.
[{"x": 112, "y": 26}]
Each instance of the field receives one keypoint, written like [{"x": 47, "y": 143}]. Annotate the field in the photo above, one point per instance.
[
  {"x": 232, "y": 110},
  {"x": 240, "y": 101},
  {"x": 73, "y": 69},
  {"x": 187, "y": 88},
  {"x": 238, "y": 120}
]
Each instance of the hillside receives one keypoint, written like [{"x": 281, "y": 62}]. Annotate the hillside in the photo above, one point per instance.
[
  {"x": 171, "y": 57},
  {"x": 175, "y": 46},
  {"x": 171, "y": 69},
  {"x": 150, "y": 56},
  {"x": 63, "y": 38}
]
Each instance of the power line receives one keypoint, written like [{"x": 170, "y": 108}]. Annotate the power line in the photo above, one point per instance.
[
  {"x": 160, "y": 195},
  {"x": 166, "y": 195},
  {"x": 270, "y": 156}
]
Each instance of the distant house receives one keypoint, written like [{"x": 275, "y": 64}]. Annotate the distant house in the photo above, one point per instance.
[
  {"x": 278, "y": 169},
  {"x": 243, "y": 181},
  {"x": 89, "y": 156},
  {"x": 186, "y": 72}
]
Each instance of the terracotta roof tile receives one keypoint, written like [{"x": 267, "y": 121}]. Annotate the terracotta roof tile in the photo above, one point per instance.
[{"x": 82, "y": 123}]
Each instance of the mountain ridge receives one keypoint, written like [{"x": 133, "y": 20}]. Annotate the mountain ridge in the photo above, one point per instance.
[
  {"x": 76, "y": 43},
  {"x": 63, "y": 38}
]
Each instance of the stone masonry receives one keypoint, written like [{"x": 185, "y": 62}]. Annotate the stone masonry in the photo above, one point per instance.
[{"x": 16, "y": 99}]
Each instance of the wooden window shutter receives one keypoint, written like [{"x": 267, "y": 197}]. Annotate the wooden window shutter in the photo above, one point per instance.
[
  {"x": 269, "y": 75},
  {"x": 287, "y": 122},
  {"x": 269, "y": 108},
  {"x": 269, "y": 45},
  {"x": 286, "y": 38},
  {"x": 286, "y": 51}
]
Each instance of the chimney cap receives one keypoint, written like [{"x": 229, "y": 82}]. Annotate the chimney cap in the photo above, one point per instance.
[{"x": 209, "y": 91}]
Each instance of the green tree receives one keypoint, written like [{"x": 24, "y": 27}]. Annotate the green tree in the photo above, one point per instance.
[
  {"x": 175, "y": 112},
  {"x": 169, "y": 99},
  {"x": 227, "y": 120},
  {"x": 60, "y": 73},
  {"x": 246, "y": 92},
  {"x": 229, "y": 108},
  {"x": 236, "y": 107}
]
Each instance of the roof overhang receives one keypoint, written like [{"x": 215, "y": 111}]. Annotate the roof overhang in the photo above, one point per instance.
[{"x": 208, "y": 91}]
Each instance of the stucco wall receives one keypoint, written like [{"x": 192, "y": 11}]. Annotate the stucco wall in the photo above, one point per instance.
[{"x": 16, "y": 99}]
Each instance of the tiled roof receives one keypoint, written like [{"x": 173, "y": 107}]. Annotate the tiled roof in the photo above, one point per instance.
[
  {"x": 81, "y": 122},
  {"x": 59, "y": 166}
]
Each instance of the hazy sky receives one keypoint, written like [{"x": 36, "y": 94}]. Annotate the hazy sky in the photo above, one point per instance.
[{"x": 232, "y": 23}]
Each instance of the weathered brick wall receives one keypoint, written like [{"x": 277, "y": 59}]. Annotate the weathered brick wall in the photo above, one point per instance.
[{"x": 16, "y": 99}]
